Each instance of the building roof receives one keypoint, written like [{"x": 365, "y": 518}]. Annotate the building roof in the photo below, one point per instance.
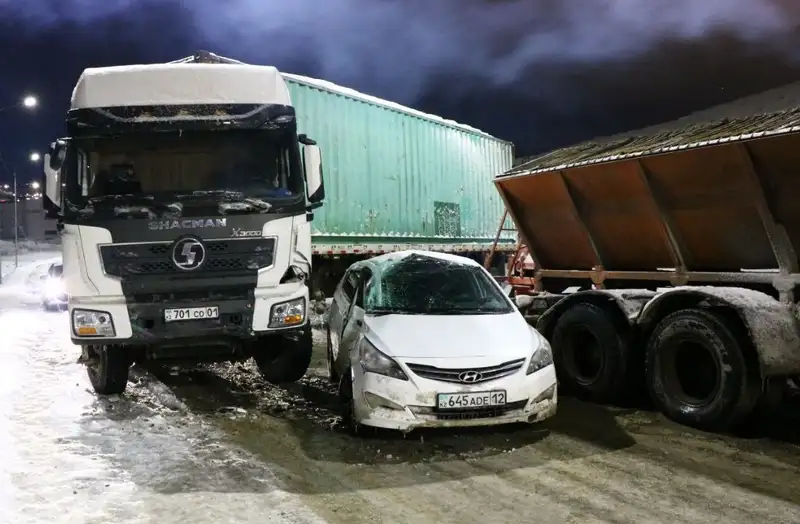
[{"x": 772, "y": 112}]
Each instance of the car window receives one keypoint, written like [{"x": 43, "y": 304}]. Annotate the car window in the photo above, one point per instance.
[
  {"x": 349, "y": 285},
  {"x": 421, "y": 284},
  {"x": 365, "y": 278}
]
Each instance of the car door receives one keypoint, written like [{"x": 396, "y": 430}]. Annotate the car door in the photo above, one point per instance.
[
  {"x": 342, "y": 301},
  {"x": 353, "y": 321}
]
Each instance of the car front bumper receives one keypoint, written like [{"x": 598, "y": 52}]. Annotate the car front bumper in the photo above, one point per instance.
[{"x": 406, "y": 405}]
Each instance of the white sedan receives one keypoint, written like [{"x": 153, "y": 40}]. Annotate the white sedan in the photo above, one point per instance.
[{"x": 421, "y": 339}]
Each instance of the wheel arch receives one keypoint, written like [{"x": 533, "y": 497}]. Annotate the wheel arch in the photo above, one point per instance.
[
  {"x": 623, "y": 305},
  {"x": 768, "y": 324}
]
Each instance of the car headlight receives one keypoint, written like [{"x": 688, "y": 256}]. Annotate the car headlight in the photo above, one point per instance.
[
  {"x": 54, "y": 287},
  {"x": 287, "y": 314},
  {"x": 542, "y": 354},
  {"x": 373, "y": 361},
  {"x": 87, "y": 323}
]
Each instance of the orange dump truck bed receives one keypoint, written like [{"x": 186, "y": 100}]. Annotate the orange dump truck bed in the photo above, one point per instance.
[{"x": 710, "y": 198}]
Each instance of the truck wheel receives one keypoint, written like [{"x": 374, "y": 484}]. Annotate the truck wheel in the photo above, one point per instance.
[
  {"x": 108, "y": 368},
  {"x": 289, "y": 361},
  {"x": 591, "y": 353},
  {"x": 697, "y": 372}
]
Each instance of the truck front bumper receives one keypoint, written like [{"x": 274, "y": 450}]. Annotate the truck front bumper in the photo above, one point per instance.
[{"x": 143, "y": 323}]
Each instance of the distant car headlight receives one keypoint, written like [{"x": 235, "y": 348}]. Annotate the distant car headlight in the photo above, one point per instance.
[
  {"x": 54, "y": 288},
  {"x": 542, "y": 354},
  {"x": 287, "y": 314},
  {"x": 88, "y": 323},
  {"x": 373, "y": 361}
]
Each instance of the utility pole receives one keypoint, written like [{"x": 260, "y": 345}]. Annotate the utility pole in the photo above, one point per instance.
[{"x": 16, "y": 224}]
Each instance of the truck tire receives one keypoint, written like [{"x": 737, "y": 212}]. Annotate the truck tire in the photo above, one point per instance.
[
  {"x": 590, "y": 353},
  {"x": 697, "y": 372},
  {"x": 108, "y": 368},
  {"x": 289, "y": 362}
]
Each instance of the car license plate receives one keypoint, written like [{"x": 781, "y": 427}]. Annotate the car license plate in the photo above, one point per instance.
[
  {"x": 191, "y": 313},
  {"x": 477, "y": 400}
]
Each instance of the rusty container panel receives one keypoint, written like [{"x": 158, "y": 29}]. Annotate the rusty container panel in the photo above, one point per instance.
[{"x": 700, "y": 207}]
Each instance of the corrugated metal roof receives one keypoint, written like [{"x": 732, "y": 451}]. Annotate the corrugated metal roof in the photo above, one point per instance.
[{"x": 772, "y": 112}]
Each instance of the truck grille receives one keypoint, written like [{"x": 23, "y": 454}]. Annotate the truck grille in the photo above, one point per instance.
[
  {"x": 154, "y": 258},
  {"x": 452, "y": 375}
]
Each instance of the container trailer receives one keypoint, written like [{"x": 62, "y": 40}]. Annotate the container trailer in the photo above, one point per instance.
[{"x": 667, "y": 257}]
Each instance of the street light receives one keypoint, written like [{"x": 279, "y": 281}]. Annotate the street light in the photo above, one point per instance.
[
  {"x": 30, "y": 102},
  {"x": 34, "y": 158}
]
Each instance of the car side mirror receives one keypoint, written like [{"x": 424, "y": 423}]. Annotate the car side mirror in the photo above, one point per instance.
[{"x": 312, "y": 162}]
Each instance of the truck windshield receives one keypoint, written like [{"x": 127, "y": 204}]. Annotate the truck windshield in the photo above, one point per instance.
[
  {"x": 258, "y": 168},
  {"x": 426, "y": 285}
]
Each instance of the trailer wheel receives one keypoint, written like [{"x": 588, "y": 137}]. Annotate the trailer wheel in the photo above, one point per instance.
[
  {"x": 591, "y": 353},
  {"x": 289, "y": 361},
  {"x": 108, "y": 368},
  {"x": 697, "y": 372}
]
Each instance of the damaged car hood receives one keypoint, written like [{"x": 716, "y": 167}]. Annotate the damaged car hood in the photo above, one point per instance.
[{"x": 503, "y": 337}]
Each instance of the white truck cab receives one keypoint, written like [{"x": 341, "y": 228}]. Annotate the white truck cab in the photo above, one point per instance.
[{"x": 184, "y": 195}]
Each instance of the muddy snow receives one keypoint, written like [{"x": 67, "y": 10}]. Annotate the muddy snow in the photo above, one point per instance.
[{"x": 215, "y": 444}]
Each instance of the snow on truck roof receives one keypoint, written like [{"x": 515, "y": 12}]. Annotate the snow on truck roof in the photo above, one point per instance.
[
  {"x": 222, "y": 81},
  {"x": 769, "y": 113},
  {"x": 179, "y": 84}
]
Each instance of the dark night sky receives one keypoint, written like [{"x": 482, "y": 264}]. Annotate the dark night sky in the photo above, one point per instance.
[{"x": 541, "y": 73}]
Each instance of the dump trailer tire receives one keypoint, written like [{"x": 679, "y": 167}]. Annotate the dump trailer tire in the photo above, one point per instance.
[
  {"x": 697, "y": 372},
  {"x": 291, "y": 360},
  {"x": 591, "y": 353}
]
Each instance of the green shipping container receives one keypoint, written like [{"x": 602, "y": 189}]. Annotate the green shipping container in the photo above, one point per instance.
[{"x": 394, "y": 175}]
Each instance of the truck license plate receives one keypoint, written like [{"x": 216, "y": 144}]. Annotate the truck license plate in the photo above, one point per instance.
[
  {"x": 478, "y": 400},
  {"x": 191, "y": 313}
]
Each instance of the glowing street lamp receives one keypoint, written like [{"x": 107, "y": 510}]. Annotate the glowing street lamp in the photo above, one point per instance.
[
  {"x": 30, "y": 101},
  {"x": 34, "y": 157}
]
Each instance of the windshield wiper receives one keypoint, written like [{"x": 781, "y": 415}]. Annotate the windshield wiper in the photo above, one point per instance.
[
  {"x": 133, "y": 204},
  {"x": 379, "y": 312},
  {"x": 232, "y": 200}
]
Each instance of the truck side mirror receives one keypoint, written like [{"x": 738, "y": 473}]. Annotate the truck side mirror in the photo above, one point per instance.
[
  {"x": 312, "y": 161},
  {"x": 52, "y": 188},
  {"x": 55, "y": 157}
]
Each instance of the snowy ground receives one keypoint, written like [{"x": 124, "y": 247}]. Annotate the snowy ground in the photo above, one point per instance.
[{"x": 215, "y": 444}]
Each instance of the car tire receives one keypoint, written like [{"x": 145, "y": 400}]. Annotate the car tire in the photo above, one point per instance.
[
  {"x": 346, "y": 409},
  {"x": 686, "y": 351},
  {"x": 290, "y": 361},
  {"x": 333, "y": 376},
  {"x": 591, "y": 353},
  {"x": 108, "y": 368}
]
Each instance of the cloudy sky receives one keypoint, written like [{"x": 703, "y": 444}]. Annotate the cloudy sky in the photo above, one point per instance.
[{"x": 541, "y": 73}]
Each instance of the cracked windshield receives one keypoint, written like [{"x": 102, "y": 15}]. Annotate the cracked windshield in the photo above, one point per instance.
[{"x": 478, "y": 261}]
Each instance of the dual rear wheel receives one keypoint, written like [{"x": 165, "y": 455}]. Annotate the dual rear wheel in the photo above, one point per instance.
[{"x": 696, "y": 366}]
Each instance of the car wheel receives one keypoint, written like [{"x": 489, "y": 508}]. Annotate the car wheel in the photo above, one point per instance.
[
  {"x": 697, "y": 372},
  {"x": 333, "y": 376},
  {"x": 108, "y": 368}
]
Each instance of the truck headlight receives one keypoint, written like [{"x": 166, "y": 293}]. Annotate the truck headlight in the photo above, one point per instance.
[
  {"x": 88, "y": 323},
  {"x": 287, "y": 314},
  {"x": 373, "y": 361},
  {"x": 542, "y": 354}
]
